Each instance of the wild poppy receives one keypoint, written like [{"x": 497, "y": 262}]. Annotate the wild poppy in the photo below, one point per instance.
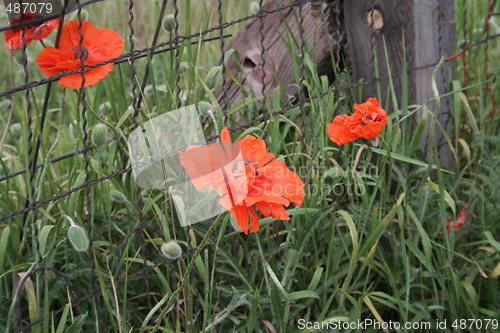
[
  {"x": 367, "y": 122},
  {"x": 98, "y": 45},
  {"x": 249, "y": 178},
  {"x": 458, "y": 223},
  {"x": 13, "y": 37}
]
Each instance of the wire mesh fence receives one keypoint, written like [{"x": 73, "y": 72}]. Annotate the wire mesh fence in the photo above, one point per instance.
[{"x": 77, "y": 196}]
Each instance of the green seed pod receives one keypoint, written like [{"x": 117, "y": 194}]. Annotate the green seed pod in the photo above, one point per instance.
[
  {"x": 16, "y": 130},
  {"x": 99, "y": 135},
  {"x": 85, "y": 15},
  {"x": 5, "y": 104},
  {"x": 78, "y": 238},
  {"x": 254, "y": 7},
  {"x": 105, "y": 107},
  {"x": 117, "y": 196},
  {"x": 316, "y": 5},
  {"x": 169, "y": 23},
  {"x": 205, "y": 107},
  {"x": 19, "y": 60},
  {"x": 183, "y": 67},
  {"x": 171, "y": 250}
]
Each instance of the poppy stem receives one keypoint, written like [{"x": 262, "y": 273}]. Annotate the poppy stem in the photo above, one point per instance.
[{"x": 41, "y": 41}]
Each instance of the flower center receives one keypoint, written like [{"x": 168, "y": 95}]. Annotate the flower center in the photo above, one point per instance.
[
  {"x": 81, "y": 52},
  {"x": 252, "y": 163},
  {"x": 362, "y": 122}
]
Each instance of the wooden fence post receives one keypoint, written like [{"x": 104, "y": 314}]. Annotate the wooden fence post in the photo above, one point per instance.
[
  {"x": 418, "y": 31},
  {"x": 422, "y": 31}
]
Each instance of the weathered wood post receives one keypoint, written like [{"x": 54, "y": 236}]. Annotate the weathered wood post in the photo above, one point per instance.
[
  {"x": 415, "y": 33},
  {"x": 420, "y": 31},
  {"x": 274, "y": 67}
]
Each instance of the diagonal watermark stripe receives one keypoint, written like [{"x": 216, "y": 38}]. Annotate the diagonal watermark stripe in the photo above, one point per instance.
[{"x": 169, "y": 152}]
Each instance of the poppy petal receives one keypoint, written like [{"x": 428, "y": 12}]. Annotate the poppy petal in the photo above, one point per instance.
[
  {"x": 99, "y": 45},
  {"x": 52, "y": 61},
  {"x": 370, "y": 130},
  {"x": 255, "y": 150},
  {"x": 93, "y": 76},
  {"x": 70, "y": 36},
  {"x": 13, "y": 38},
  {"x": 276, "y": 184},
  {"x": 240, "y": 213},
  {"x": 276, "y": 211},
  {"x": 254, "y": 221},
  {"x": 339, "y": 130},
  {"x": 224, "y": 135}
]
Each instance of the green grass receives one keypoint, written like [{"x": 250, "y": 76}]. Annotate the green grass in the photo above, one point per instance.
[{"x": 369, "y": 241}]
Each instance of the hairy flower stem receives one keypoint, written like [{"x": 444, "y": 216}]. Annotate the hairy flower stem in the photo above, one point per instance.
[{"x": 183, "y": 282}]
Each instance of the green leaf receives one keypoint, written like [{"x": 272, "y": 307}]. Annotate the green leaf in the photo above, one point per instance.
[
  {"x": 415, "y": 137},
  {"x": 29, "y": 287},
  {"x": 4, "y": 243},
  {"x": 447, "y": 197},
  {"x": 77, "y": 325},
  {"x": 406, "y": 159},
  {"x": 64, "y": 317},
  {"x": 281, "y": 290},
  {"x": 491, "y": 240},
  {"x": 44, "y": 234},
  {"x": 302, "y": 294},
  {"x": 316, "y": 278},
  {"x": 128, "y": 113},
  {"x": 352, "y": 230}
]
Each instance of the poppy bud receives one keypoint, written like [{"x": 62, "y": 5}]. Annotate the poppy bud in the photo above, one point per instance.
[
  {"x": 77, "y": 236},
  {"x": 5, "y": 104},
  {"x": 316, "y": 9},
  {"x": 205, "y": 107},
  {"x": 99, "y": 135},
  {"x": 316, "y": 5},
  {"x": 105, "y": 107},
  {"x": 183, "y": 67},
  {"x": 254, "y": 7},
  {"x": 117, "y": 196},
  {"x": 16, "y": 130},
  {"x": 19, "y": 59},
  {"x": 169, "y": 23},
  {"x": 84, "y": 14},
  {"x": 171, "y": 250}
]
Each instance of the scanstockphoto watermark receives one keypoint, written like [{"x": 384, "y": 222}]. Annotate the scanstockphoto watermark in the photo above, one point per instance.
[
  {"x": 154, "y": 153},
  {"x": 337, "y": 189},
  {"x": 336, "y": 181},
  {"x": 469, "y": 324},
  {"x": 342, "y": 325},
  {"x": 333, "y": 172}
]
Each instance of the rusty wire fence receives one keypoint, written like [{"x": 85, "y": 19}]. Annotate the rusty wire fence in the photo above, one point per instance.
[{"x": 31, "y": 208}]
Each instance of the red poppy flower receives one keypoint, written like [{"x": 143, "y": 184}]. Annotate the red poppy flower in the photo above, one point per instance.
[
  {"x": 248, "y": 179},
  {"x": 98, "y": 45},
  {"x": 458, "y": 223},
  {"x": 13, "y": 37},
  {"x": 367, "y": 122}
]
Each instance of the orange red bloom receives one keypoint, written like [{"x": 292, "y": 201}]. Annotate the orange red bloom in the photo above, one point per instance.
[
  {"x": 458, "y": 223},
  {"x": 246, "y": 177},
  {"x": 367, "y": 122},
  {"x": 98, "y": 45},
  {"x": 13, "y": 37}
]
